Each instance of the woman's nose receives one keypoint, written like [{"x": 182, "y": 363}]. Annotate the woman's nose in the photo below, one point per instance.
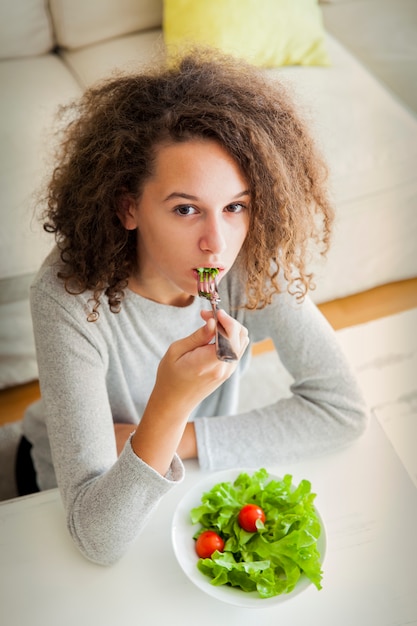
[{"x": 213, "y": 238}]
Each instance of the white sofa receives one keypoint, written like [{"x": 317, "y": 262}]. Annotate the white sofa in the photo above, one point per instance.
[{"x": 363, "y": 116}]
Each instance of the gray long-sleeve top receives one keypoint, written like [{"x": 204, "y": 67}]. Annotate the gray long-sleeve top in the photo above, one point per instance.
[{"x": 93, "y": 374}]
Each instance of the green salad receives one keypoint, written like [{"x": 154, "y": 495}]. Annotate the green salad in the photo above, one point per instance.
[{"x": 282, "y": 547}]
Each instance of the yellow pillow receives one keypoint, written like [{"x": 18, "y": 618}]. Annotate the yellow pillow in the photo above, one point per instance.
[{"x": 267, "y": 33}]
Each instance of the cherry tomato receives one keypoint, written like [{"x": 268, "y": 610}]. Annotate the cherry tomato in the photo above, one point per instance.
[
  {"x": 207, "y": 543},
  {"x": 248, "y": 516}
]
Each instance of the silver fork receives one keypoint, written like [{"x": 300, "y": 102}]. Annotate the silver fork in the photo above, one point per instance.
[{"x": 207, "y": 288}]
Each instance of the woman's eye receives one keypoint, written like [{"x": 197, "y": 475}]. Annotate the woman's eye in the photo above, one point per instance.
[
  {"x": 236, "y": 207},
  {"x": 185, "y": 209}
]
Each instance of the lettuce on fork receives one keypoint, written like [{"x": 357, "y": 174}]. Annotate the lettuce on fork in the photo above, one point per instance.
[{"x": 271, "y": 560}]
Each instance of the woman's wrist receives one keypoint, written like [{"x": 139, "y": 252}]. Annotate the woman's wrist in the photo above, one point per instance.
[
  {"x": 187, "y": 448},
  {"x": 159, "y": 432}
]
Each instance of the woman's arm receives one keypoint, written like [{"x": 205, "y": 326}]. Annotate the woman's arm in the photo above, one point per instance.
[
  {"x": 188, "y": 373},
  {"x": 108, "y": 498},
  {"x": 326, "y": 408}
]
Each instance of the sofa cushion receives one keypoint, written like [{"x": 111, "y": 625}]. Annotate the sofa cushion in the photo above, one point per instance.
[
  {"x": 383, "y": 35},
  {"x": 32, "y": 90},
  {"x": 25, "y": 28},
  {"x": 79, "y": 23},
  {"x": 370, "y": 142},
  {"x": 268, "y": 33},
  {"x": 126, "y": 54}
]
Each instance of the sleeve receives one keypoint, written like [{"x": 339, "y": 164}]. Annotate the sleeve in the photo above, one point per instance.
[
  {"x": 326, "y": 408},
  {"x": 107, "y": 499}
]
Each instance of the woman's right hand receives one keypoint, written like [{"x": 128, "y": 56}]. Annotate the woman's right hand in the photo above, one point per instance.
[
  {"x": 190, "y": 370},
  {"x": 188, "y": 373}
]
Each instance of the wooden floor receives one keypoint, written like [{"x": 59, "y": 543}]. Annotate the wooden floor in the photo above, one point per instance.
[{"x": 357, "y": 309}]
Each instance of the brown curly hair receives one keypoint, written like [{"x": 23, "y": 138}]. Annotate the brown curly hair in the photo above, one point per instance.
[{"x": 108, "y": 149}]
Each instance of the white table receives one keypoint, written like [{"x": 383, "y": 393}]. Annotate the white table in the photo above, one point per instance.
[{"x": 364, "y": 494}]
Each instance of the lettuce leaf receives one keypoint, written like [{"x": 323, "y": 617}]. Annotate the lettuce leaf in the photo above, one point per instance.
[{"x": 271, "y": 560}]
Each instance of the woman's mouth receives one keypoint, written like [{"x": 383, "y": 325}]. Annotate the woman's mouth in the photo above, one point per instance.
[{"x": 216, "y": 270}]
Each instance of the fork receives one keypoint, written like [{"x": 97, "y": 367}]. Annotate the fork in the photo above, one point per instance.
[{"x": 207, "y": 288}]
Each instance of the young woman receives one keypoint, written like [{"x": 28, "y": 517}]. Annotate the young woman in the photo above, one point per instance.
[{"x": 201, "y": 164}]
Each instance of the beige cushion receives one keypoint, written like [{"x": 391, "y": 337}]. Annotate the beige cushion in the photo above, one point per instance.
[
  {"x": 382, "y": 34},
  {"x": 32, "y": 89},
  {"x": 370, "y": 142},
  {"x": 125, "y": 54},
  {"x": 80, "y": 23},
  {"x": 25, "y": 28}
]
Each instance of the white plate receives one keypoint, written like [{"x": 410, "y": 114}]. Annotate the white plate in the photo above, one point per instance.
[{"x": 184, "y": 548}]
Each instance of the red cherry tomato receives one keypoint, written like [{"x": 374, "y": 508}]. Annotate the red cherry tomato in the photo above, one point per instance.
[
  {"x": 248, "y": 516},
  {"x": 207, "y": 543}
]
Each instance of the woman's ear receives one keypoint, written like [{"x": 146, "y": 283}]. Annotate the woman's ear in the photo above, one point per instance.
[{"x": 126, "y": 211}]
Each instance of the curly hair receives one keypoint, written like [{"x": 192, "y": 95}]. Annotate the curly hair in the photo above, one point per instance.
[{"x": 109, "y": 145}]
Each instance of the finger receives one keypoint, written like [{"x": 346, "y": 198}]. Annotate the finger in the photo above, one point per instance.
[
  {"x": 236, "y": 333},
  {"x": 244, "y": 341},
  {"x": 197, "y": 339},
  {"x": 229, "y": 323},
  {"x": 232, "y": 327}
]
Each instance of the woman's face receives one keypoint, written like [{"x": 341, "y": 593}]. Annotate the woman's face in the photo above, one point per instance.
[{"x": 193, "y": 212}]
